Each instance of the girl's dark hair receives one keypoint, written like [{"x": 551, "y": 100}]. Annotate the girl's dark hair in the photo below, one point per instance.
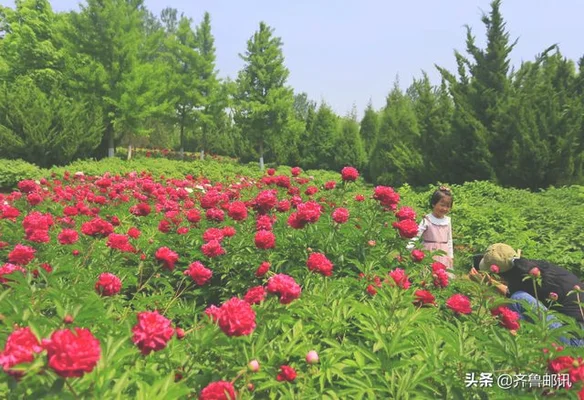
[{"x": 439, "y": 194}]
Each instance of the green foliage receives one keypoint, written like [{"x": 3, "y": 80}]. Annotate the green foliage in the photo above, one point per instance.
[
  {"x": 320, "y": 143},
  {"x": 263, "y": 102},
  {"x": 369, "y": 128},
  {"x": 396, "y": 155},
  {"x": 57, "y": 131},
  {"x": 349, "y": 146},
  {"x": 14, "y": 171}
]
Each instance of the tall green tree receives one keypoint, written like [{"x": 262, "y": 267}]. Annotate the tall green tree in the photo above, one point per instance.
[
  {"x": 369, "y": 128},
  {"x": 42, "y": 119},
  {"x": 263, "y": 102},
  {"x": 434, "y": 109},
  {"x": 213, "y": 99},
  {"x": 349, "y": 149},
  {"x": 396, "y": 158},
  {"x": 106, "y": 36},
  {"x": 320, "y": 146}
]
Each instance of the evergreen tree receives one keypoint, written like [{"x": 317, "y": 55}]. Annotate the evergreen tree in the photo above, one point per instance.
[
  {"x": 320, "y": 145},
  {"x": 369, "y": 128},
  {"x": 396, "y": 158},
  {"x": 263, "y": 102},
  {"x": 349, "y": 149}
]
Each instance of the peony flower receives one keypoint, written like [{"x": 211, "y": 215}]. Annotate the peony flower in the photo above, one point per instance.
[
  {"x": 340, "y": 215},
  {"x": 317, "y": 262},
  {"x": 417, "y": 255},
  {"x": 220, "y": 390},
  {"x": 72, "y": 353},
  {"x": 236, "y": 318},
  {"x": 286, "y": 374},
  {"x": 262, "y": 269},
  {"x": 255, "y": 295},
  {"x": 459, "y": 303},
  {"x": 152, "y": 332},
  {"x": 285, "y": 286},
  {"x": 423, "y": 297},
  {"x": 108, "y": 284},
  {"x": 167, "y": 257},
  {"x": 199, "y": 273},
  {"x": 21, "y": 254},
  {"x": 265, "y": 240},
  {"x": 20, "y": 348},
  {"x": 349, "y": 174}
]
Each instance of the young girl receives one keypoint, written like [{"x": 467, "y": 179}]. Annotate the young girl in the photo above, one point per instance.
[{"x": 435, "y": 229}]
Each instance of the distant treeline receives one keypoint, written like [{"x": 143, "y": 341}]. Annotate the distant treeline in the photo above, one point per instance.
[{"x": 78, "y": 84}]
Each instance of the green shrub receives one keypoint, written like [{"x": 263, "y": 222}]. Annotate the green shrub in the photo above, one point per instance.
[{"x": 13, "y": 171}]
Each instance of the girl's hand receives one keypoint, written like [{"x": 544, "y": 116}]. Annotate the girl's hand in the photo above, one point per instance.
[{"x": 474, "y": 275}]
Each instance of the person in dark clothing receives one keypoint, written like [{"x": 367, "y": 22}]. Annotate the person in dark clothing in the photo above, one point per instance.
[{"x": 558, "y": 285}]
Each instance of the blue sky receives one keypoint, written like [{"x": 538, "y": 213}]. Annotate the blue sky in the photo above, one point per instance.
[{"x": 347, "y": 52}]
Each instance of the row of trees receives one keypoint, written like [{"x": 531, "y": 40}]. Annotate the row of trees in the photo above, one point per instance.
[{"x": 78, "y": 84}]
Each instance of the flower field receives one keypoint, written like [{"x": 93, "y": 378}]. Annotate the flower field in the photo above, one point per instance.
[{"x": 282, "y": 285}]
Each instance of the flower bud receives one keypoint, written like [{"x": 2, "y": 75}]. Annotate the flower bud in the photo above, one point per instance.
[
  {"x": 253, "y": 365},
  {"x": 180, "y": 333},
  {"x": 68, "y": 319},
  {"x": 535, "y": 272},
  {"x": 553, "y": 296},
  {"x": 250, "y": 387},
  {"x": 312, "y": 357},
  {"x": 494, "y": 269}
]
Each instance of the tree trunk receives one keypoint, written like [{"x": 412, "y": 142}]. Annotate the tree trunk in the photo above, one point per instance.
[
  {"x": 182, "y": 141},
  {"x": 261, "y": 156},
  {"x": 202, "y": 154},
  {"x": 110, "y": 141},
  {"x": 129, "y": 151}
]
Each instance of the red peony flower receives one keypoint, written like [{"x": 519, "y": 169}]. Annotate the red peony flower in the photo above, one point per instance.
[
  {"x": 407, "y": 228},
  {"x": 417, "y": 255},
  {"x": 295, "y": 171},
  {"x": 120, "y": 242},
  {"x": 68, "y": 236},
  {"x": 349, "y": 174},
  {"x": 72, "y": 354},
  {"x": 507, "y": 317},
  {"x": 236, "y": 318},
  {"x": 440, "y": 278},
  {"x": 213, "y": 312},
  {"x": 400, "y": 278},
  {"x": 283, "y": 206},
  {"x": 199, "y": 273},
  {"x": 140, "y": 210},
  {"x": 212, "y": 249},
  {"x": 359, "y": 198},
  {"x": 265, "y": 240},
  {"x": 317, "y": 262},
  {"x": 265, "y": 200},
  {"x": 28, "y": 186},
  {"x": 8, "y": 269},
  {"x": 309, "y": 212},
  {"x": 459, "y": 303},
  {"x": 405, "y": 213},
  {"x": 255, "y": 295},
  {"x": 213, "y": 234},
  {"x": 330, "y": 185},
  {"x": 215, "y": 214},
  {"x": 167, "y": 257},
  {"x": 262, "y": 269},
  {"x": 423, "y": 297},
  {"x": 34, "y": 199},
  {"x": 264, "y": 222},
  {"x": 108, "y": 284},
  {"x": 286, "y": 374},
  {"x": 311, "y": 190},
  {"x": 271, "y": 171},
  {"x": 152, "y": 332},
  {"x": 134, "y": 232},
  {"x": 193, "y": 216},
  {"x": 560, "y": 364},
  {"x": 340, "y": 215},
  {"x": 285, "y": 286},
  {"x": 21, "y": 254},
  {"x": 229, "y": 231},
  {"x": 371, "y": 290},
  {"x": 220, "y": 390},
  {"x": 20, "y": 348},
  {"x": 386, "y": 196},
  {"x": 237, "y": 211}
]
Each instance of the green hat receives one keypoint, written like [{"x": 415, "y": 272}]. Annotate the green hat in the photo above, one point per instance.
[{"x": 499, "y": 254}]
